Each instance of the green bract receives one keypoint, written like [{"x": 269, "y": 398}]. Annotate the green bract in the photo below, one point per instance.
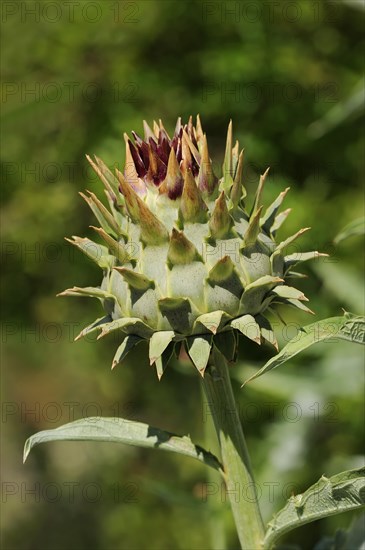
[{"x": 182, "y": 259}]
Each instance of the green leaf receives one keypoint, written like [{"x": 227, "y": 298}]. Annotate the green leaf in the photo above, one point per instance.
[
  {"x": 353, "y": 539},
  {"x": 354, "y": 228},
  {"x": 348, "y": 327},
  {"x": 329, "y": 496},
  {"x": 119, "y": 430}
]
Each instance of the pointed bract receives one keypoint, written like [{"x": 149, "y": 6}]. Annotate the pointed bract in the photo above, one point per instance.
[
  {"x": 222, "y": 270},
  {"x": 115, "y": 247},
  {"x": 158, "y": 343},
  {"x": 199, "y": 348},
  {"x": 220, "y": 222},
  {"x": 181, "y": 251},
  {"x": 253, "y": 229},
  {"x": 227, "y": 163},
  {"x": 102, "y": 214},
  {"x": 152, "y": 230},
  {"x": 268, "y": 218},
  {"x": 125, "y": 347},
  {"x": 260, "y": 188},
  {"x": 247, "y": 326},
  {"x": 207, "y": 181},
  {"x": 148, "y": 133},
  {"x": 174, "y": 182},
  {"x": 192, "y": 206},
  {"x": 238, "y": 192},
  {"x": 135, "y": 280}
]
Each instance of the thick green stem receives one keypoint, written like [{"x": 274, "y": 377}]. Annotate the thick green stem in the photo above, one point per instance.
[{"x": 240, "y": 485}]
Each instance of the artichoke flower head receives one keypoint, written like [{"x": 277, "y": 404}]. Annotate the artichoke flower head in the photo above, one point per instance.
[{"x": 183, "y": 261}]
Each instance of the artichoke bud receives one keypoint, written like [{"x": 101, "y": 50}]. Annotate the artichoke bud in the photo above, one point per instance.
[{"x": 165, "y": 209}]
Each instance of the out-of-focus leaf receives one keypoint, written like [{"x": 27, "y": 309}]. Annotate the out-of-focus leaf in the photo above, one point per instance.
[
  {"x": 353, "y": 539},
  {"x": 348, "y": 327},
  {"x": 329, "y": 496},
  {"x": 352, "y": 229},
  {"x": 343, "y": 282},
  {"x": 352, "y": 106},
  {"x": 119, "y": 430}
]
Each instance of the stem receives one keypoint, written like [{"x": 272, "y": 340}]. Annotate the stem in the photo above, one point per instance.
[
  {"x": 239, "y": 479},
  {"x": 215, "y": 519}
]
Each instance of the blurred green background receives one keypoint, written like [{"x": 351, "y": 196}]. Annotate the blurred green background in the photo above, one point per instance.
[{"x": 76, "y": 75}]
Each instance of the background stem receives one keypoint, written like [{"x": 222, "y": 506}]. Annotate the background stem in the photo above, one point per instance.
[{"x": 240, "y": 483}]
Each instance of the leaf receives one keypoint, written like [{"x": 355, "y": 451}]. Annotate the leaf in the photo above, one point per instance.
[
  {"x": 329, "y": 496},
  {"x": 348, "y": 327},
  {"x": 353, "y": 539},
  {"x": 120, "y": 430},
  {"x": 354, "y": 228}
]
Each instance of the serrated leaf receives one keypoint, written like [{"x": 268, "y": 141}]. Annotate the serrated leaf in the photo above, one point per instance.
[
  {"x": 125, "y": 347},
  {"x": 119, "y": 430},
  {"x": 348, "y": 327},
  {"x": 354, "y": 228},
  {"x": 329, "y": 496},
  {"x": 199, "y": 348}
]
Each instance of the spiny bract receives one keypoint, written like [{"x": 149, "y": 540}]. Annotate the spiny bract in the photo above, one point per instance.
[{"x": 183, "y": 261}]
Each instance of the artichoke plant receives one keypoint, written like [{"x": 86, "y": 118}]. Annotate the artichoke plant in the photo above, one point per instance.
[
  {"x": 186, "y": 263},
  {"x": 184, "y": 260}
]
